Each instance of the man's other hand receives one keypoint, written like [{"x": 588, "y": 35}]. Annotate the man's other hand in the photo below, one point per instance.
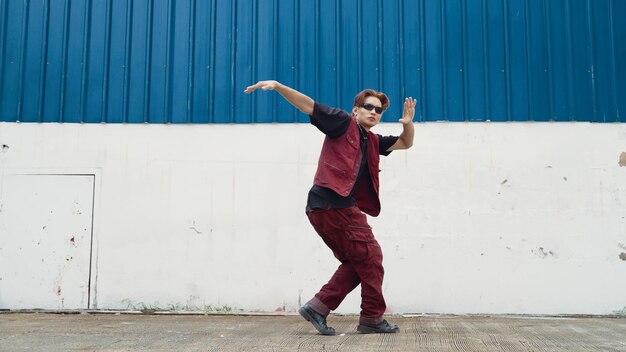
[{"x": 409, "y": 110}]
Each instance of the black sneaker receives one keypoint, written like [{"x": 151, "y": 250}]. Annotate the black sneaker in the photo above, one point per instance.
[
  {"x": 318, "y": 321},
  {"x": 382, "y": 327}
]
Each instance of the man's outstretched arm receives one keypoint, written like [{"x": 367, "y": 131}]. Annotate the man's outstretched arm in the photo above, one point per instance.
[
  {"x": 297, "y": 99},
  {"x": 408, "y": 131}
]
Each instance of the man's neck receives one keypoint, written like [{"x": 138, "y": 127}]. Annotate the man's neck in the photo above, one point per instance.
[
  {"x": 363, "y": 130},
  {"x": 362, "y": 127}
]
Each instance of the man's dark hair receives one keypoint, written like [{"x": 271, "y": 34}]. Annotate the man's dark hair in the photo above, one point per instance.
[{"x": 359, "y": 99}]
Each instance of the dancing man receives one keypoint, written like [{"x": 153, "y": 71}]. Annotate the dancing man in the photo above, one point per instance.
[{"x": 344, "y": 188}]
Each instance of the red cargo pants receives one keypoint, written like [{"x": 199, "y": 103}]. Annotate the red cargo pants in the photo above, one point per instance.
[{"x": 347, "y": 234}]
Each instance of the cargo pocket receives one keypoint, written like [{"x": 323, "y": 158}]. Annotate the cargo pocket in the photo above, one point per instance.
[{"x": 358, "y": 244}]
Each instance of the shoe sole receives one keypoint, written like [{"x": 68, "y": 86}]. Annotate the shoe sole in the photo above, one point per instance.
[
  {"x": 368, "y": 330},
  {"x": 317, "y": 326}
]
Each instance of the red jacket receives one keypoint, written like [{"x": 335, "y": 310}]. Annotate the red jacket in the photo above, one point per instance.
[{"x": 338, "y": 168}]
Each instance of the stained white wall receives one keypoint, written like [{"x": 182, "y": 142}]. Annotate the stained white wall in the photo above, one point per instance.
[{"x": 477, "y": 217}]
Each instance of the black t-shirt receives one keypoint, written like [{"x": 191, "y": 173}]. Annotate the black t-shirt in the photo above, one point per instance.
[{"x": 334, "y": 123}]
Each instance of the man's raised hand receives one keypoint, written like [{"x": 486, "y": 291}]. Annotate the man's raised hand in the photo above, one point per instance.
[
  {"x": 409, "y": 110},
  {"x": 265, "y": 85},
  {"x": 297, "y": 99}
]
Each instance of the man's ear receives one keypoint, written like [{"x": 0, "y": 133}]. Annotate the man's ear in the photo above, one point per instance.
[{"x": 354, "y": 110}]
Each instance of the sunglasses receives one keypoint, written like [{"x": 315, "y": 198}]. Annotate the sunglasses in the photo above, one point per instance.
[{"x": 369, "y": 107}]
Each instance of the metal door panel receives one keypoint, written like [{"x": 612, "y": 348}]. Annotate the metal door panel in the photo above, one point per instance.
[{"x": 45, "y": 241}]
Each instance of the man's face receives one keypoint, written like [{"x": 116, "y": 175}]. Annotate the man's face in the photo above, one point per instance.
[{"x": 368, "y": 118}]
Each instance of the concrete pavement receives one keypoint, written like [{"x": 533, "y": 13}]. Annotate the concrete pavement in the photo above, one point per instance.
[{"x": 170, "y": 332}]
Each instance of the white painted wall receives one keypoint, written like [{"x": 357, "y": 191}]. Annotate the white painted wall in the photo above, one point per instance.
[{"x": 477, "y": 217}]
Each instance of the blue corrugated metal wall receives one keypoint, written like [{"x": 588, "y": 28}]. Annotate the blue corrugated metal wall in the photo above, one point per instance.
[{"x": 188, "y": 61}]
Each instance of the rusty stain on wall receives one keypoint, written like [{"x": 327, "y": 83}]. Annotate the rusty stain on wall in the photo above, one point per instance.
[{"x": 622, "y": 159}]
